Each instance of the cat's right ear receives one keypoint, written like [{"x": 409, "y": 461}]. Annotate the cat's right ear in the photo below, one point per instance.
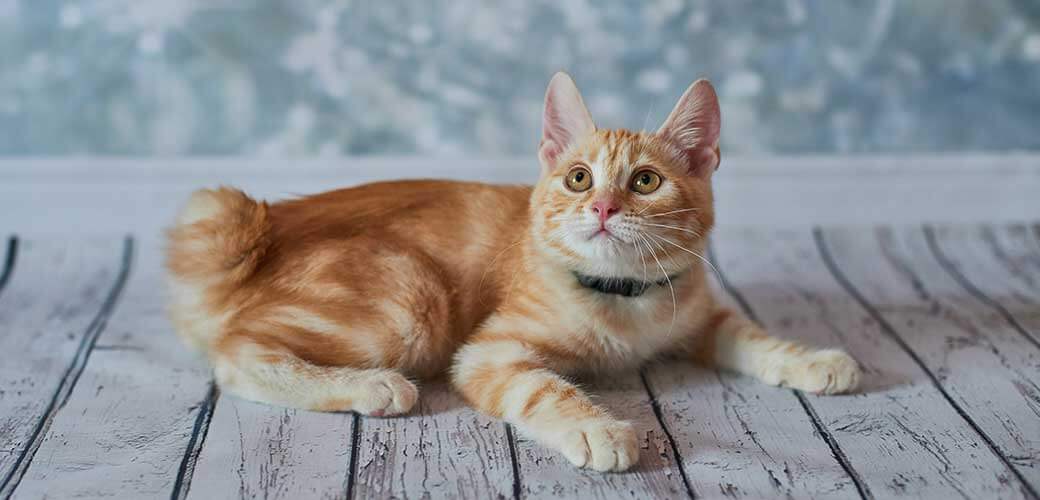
[{"x": 564, "y": 121}]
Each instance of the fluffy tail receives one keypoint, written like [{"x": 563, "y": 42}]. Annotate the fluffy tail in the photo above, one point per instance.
[
  {"x": 220, "y": 236},
  {"x": 218, "y": 241}
]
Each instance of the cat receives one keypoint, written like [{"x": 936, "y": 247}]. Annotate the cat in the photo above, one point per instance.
[{"x": 337, "y": 301}]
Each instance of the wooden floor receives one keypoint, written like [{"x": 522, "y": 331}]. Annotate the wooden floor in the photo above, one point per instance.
[{"x": 99, "y": 399}]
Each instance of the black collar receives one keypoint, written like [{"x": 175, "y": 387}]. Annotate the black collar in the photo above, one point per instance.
[{"x": 625, "y": 287}]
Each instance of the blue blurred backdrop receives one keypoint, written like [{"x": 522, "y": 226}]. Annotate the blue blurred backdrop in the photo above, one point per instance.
[{"x": 310, "y": 77}]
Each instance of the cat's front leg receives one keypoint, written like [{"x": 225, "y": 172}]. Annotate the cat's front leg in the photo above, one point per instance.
[
  {"x": 513, "y": 380},
  {"x": 731, "y": 341}
]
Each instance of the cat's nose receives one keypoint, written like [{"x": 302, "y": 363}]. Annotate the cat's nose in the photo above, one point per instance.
[{"x": 605, "y": 209}]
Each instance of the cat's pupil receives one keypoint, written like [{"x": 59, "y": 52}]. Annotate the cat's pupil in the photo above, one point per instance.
[
  {"x": 579, "y": 176},
  {"x": 645, "y": 179}
]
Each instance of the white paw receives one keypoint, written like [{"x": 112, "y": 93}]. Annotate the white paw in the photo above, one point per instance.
[
  {"x": 384, "y": 395},
  {"x": 602, "y": 444},
  {"x": 829, "y": 371}
]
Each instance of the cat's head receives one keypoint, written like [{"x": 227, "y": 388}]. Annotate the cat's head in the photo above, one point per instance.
[{"x": 625, "y": 204}]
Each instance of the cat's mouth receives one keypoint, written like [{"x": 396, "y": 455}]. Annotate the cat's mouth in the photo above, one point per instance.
[{"x": 603, "y": 233}]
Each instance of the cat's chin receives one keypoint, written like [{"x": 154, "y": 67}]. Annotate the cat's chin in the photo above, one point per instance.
[
  {"x": 614, "y": 259},
  {"x": 605, "y": 246},
  {"x": 608, "y": 255}
]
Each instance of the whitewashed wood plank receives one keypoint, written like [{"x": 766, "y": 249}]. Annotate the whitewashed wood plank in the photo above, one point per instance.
[
  {"x": 898, "y": 432},
  {"x": 999, "y": 264},
  {"x": 983, "y": 365},
  {"x": 443, "y": 449},
  {"x": 739, "y": 438},
  {"x": 254, "y": 450},
  {"x": 7, "y": 264},
  {"x": 545, "y": 473},
  {"x": 787, "y": 191},
  {"x": 124, "y": 431},
  {"x": 51, "y": 312},
  {"x": 103, "y": 169}
]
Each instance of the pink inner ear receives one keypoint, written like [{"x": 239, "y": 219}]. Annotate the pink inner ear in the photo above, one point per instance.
[
  {"x": 694, "y": 125},
  {"x": 549, "y": 151},
  {"x": 703, "y": 161},
  {"x": 564, "y": 120}
]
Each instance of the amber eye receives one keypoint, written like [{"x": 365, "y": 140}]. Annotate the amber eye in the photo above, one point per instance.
[
  {"x": 579, "y": 179},
  {"x": 646, "y": 182}
]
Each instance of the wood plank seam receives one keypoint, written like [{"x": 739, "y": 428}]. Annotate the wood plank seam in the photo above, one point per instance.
[
  {"x": 72, "y": 374},
  {"x": 656, "y": 406},
  {"x": 964, "y": 282},
  {"x": 355, "y": 440},
  {"x": 825, "y": 434},
  {"x": 199, "y": 431},
  {"x": 891, "y": 332},
  {"x": 9, "y": 260},
  {"x": 511, "y": 441}
]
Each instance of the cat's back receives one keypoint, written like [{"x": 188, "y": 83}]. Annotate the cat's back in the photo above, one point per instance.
[{"x": 437, "y": 209}]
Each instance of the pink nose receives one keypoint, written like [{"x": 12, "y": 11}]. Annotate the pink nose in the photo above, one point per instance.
[{"x": 605, "y": 209}]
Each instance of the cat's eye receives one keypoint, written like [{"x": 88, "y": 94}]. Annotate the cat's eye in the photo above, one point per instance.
[
  {"x": 646, "y": 182},
  {"x": 579, "y": 179}
]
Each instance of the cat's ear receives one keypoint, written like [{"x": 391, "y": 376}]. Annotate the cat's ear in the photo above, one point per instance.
[
  {"x": 694, "y": 125},
  {"x": 565, "y": 120}
]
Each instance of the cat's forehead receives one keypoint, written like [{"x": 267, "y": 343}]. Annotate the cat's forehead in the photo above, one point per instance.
[{"x": 616, "y": 151}]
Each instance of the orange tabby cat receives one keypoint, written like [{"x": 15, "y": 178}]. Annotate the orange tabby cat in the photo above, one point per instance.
[{"x": 334, "y": 301}]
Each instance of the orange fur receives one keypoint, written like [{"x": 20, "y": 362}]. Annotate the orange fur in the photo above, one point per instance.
[{"x": 329, "y": 302}]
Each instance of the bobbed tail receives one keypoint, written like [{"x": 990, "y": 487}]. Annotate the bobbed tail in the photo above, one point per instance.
[{"x": 219, "y": 238}]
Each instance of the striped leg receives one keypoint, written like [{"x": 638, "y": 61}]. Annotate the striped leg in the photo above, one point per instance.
[
  {"x": 508, "y": 379},
  {"x": 736, "y": 343},
  {"x": 279, "y": 378}
]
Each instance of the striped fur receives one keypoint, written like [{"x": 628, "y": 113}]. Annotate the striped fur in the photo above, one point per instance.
[{"x": 341, "y": 301}]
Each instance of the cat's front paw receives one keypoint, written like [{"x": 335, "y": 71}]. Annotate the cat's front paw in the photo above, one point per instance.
[
  {"x": 829, "y": 371},
  {"x": 603, "y": 445}
]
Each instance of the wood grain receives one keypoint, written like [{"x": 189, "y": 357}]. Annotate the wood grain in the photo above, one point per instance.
[
  {"x": 740, "y": 438},
  {"x": 123, "y": 431},
  {"x": 545, "y": 473},
  {"x": 51, "y": 312},
  {"x": 1000, "y": 264},
  {"x": 255, "y": 450},
  {"x": 7, "y": 264},
  {"x": 443, "y": 449},
  {"x": 99, "y": 399},
  {"x": 983, "y": 365},
  {"x": 898, "y": 432}
]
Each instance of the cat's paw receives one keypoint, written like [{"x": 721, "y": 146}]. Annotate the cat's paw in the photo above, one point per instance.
[
  {"x": 381, "y": 394},
  {"x": 829, "y": 371},
  {"x": 602, "y": 444},
  {"x": 386, "y": 394}
]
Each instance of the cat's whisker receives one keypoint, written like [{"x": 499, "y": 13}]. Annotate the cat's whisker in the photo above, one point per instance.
[
  {"x": 512, "y": 281},
  {"x": 480, "y": 285},
  {"x": 664, "y": 251},
  {"x": 691, "y": 252},
  {"x": 675, "y": 306},
  {"x": 660, "y": 247},
  {"x": 681, "y": 210},
  {"x": 647, "y": 207},
  {"x": 677, "y": 228},
  {"x": 646, "y": 120},
  {"x": 635, "y": 243}
]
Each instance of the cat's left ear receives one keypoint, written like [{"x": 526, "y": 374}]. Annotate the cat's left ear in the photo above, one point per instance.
[
  {"x": 565, "y": 120},
  {"x": 694, "y": 125}
]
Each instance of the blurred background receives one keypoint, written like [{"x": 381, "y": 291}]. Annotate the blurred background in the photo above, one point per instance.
[{"x": 309, "y": 77}]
